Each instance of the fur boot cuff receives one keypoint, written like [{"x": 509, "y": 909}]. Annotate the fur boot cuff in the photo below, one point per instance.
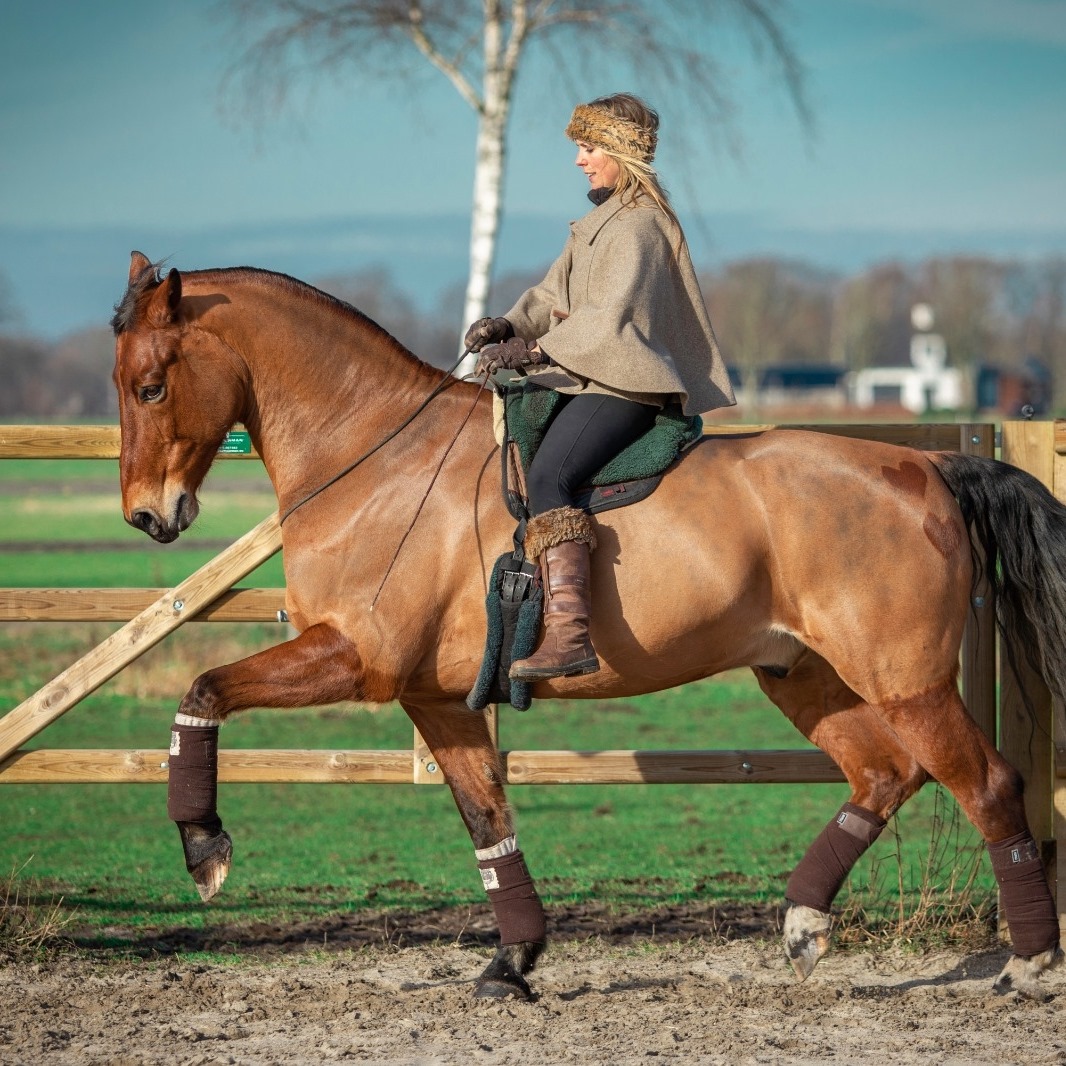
[{"x": 545, "y": 530}]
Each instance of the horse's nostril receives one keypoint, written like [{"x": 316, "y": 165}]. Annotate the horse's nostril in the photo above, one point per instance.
[{"x": 142, "y": 520}]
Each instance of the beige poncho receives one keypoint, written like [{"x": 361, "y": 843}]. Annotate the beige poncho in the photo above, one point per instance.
[{"x": 623, "y": 312}]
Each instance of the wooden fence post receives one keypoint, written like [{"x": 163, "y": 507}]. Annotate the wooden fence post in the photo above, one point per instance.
[
  {"x": 979, "y": 639},
  {"x": 1025, "y": 739},
  {"x": 1059, "y": 768}
]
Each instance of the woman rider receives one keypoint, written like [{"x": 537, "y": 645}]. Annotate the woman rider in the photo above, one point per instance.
[{"x": 621, "y": 312}]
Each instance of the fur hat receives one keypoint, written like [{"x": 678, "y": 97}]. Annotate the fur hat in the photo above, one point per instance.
[{"x": 603, "y": 129}]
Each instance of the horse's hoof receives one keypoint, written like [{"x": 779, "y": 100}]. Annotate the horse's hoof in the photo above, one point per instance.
[
  {"x": 503, "y": 976},
  {"x": 1021, "y": 976},
  {"x": 211, "y": 873},
  {"x": 807, "y": 938},
  {"x": 500, "y": 987},
  {"x": 208, "y": 856}
]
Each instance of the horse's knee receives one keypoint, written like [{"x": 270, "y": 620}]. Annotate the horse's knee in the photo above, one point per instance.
[
  {"x": 204, "y": 698},
  {"x": 1006, "y": 786},
  {"x": 998, "y": 808},
  {"x": 885, "y": 789}
]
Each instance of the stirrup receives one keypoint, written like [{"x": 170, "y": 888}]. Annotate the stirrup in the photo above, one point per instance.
[{"x": 519, "y": 672}]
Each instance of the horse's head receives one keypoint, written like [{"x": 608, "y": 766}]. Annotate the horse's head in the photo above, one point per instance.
[{"x": 178, "y": 395}]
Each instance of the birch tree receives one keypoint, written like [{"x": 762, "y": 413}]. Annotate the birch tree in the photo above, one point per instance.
[{"x": 479, "y": 46}]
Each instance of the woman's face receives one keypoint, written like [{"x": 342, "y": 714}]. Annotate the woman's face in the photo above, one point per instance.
[{"x": 601, "y": 170}]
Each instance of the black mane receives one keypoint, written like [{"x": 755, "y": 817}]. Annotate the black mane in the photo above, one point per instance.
[{"x": 126, "y": 308}]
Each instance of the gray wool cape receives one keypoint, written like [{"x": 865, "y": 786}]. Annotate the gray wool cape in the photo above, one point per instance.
[{"x": 621, "y": 308}]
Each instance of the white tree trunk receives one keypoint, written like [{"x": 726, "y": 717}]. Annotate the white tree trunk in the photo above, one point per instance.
[
  {"x": 501, "y": 62},
  {"x": 485, "y": 221}
]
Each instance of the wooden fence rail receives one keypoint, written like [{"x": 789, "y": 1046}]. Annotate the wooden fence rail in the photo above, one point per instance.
[{"x": 207, "y": 595}]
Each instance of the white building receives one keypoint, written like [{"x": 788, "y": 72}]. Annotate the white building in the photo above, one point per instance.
[{"x": 928, "y": 384}]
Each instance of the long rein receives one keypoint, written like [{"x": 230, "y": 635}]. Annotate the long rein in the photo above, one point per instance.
[
  {"x": 445, "y": 382},
  {"x": 438, "y": 389}
]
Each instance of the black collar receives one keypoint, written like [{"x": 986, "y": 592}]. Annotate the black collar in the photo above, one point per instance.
[{"x": 600, "y": 196}]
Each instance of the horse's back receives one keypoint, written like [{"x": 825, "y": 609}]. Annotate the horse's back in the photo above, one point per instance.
[{"x": 851, "y": 547}]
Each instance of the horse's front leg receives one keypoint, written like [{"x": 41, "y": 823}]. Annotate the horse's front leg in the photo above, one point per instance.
[
  {"x": 466, "y": 754},
  {"x": 318, "y": 666}
]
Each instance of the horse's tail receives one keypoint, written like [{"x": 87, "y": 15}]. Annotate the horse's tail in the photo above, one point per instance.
[{"x": 1021, "y": 529}]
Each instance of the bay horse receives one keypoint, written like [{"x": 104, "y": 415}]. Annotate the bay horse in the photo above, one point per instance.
[{"x": 839, "y": 570}]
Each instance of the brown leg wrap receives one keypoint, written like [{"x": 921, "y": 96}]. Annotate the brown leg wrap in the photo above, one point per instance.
[
  {"x": 518, "y": 909},
  {"x": 193, "y": 783},
  {"x": 820, "y": 873},
  {"x": 1024, "y": 895}
]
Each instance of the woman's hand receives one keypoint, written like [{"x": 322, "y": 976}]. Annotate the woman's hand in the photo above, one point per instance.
[
  {"x": 487, "y": 331},
  {"x": 513, "y": 354}
]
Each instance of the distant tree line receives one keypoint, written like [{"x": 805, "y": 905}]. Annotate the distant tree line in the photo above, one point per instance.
[{"x": 766, "y": 312}]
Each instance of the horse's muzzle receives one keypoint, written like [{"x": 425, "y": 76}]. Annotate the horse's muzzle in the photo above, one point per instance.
[{"x": 149, "y": 521}]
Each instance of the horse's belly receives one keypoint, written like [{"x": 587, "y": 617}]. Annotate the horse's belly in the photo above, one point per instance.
[{"x": 680, "y": 593}]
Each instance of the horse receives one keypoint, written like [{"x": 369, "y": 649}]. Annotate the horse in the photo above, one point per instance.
[{"x": 839, "y": 570}]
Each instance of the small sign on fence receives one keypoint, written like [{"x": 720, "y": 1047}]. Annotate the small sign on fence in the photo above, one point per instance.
[{"x": 236, "y": 443}]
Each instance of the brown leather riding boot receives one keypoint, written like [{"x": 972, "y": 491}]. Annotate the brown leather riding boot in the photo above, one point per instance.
[{"x": 565, "y": 649}]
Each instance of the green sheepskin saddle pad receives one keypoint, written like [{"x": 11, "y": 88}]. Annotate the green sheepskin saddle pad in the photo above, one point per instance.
[
  {"x": 530, "y": 410},
  {"x": 513, "y": 607}
]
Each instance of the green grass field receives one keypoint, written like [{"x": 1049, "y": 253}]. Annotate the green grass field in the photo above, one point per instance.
[
  {"x": 307, "y": 850},
  {"x": 74, "y": 501}
]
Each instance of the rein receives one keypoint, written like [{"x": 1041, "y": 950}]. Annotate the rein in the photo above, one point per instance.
[
  {"x": 429, "y": 489},
  {"x": 445, "y": 381}
]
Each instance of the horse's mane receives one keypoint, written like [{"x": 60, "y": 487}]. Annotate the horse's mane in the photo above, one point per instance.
[
  {"x": 126, "y": 308},
  {"x": 150, "y": 277}
]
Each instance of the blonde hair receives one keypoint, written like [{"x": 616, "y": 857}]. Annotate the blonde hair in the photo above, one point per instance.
[{"x": 626, "y": 130}]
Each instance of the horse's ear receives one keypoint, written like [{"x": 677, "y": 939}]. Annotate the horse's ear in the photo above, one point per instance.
[
  {"x": 139, "y": 263},
  {"x": 164, "y": 303}
]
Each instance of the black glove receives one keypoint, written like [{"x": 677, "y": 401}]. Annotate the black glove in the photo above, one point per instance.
[
  {"x": 511, "y": 355},
  {"x": 487, "y": 331}
]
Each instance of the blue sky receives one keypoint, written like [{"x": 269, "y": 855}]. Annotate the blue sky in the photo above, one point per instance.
[{"x": 945, "y": 117}]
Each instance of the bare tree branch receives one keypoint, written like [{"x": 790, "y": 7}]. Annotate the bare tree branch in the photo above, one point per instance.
[{"x": 670, "y": 46}]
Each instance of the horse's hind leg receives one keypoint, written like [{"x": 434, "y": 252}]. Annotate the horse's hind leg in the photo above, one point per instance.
[
  {"x": 947, "y": 742},
  {"x": 882, "y": 776},
  {"x": 318, "y": 666},
  {"x": 466, "y": 754}
]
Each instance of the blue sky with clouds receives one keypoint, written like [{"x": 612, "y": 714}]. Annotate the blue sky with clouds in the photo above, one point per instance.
[{"x": 945, "y": 116}]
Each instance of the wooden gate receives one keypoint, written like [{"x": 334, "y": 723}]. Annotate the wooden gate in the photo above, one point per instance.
[{"x": 208, "y": 595}]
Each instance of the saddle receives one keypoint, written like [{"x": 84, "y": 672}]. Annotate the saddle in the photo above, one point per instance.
[
  {"x": 515, "y": 596},
  {"x": 631, "y": 476}
]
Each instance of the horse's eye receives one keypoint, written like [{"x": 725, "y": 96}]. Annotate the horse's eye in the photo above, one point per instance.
[{"x": 152, "y": 393}]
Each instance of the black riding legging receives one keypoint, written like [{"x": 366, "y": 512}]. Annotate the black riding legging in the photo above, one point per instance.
[{"x": 588, "y": 431}]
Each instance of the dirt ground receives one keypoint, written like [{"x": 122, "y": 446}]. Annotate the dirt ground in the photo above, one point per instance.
[{"x": 671, "y": 987}]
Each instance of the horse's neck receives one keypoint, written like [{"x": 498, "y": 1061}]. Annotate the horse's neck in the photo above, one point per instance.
[{"x": 325, "y": 383}]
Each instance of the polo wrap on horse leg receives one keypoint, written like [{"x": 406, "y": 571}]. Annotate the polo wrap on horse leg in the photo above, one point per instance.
[
  {"x": 192, "y": 790},
  {"x": 1024, "y": 895},
  {"x": 817, "y": 878},
  {"x": 562, "y": 539},
  {"x": 519, "y": 912}
]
